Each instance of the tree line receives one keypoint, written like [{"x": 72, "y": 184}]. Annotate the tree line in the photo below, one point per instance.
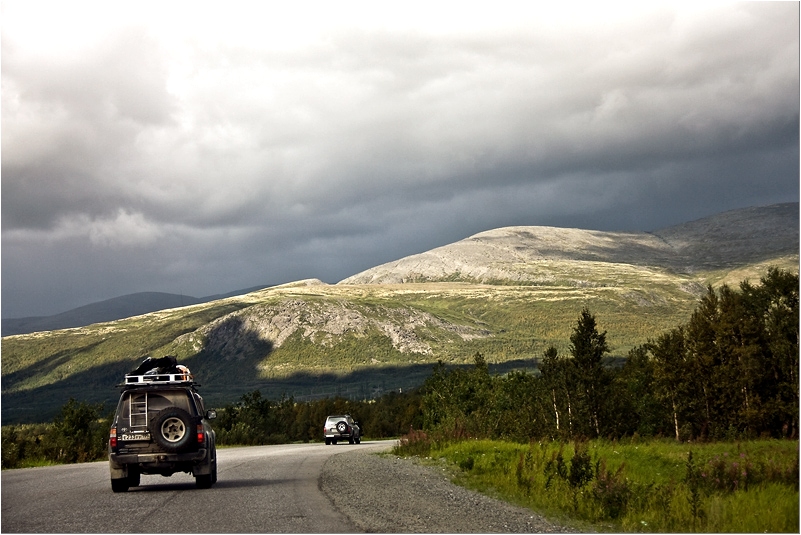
[
  {"x": 730, "y": 372},
  {"x": 255, "y": 420},
  {"x": 80, "y": 431}
]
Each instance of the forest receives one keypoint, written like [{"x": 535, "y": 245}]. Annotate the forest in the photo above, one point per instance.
[{"x": 730, "y": 372}]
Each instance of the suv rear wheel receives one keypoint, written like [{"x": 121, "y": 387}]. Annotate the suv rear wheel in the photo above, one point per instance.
[
  {"x": 204, "y": 481},
  {"x": 134, "y": 477},
  {"x": 119, "y": 485}
]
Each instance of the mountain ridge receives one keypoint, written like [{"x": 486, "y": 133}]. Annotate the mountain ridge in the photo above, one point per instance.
[
  {"x": 116, "y": 308},
  {"x": 514, "y": 254},
  {"x": 724, "y": 240}
]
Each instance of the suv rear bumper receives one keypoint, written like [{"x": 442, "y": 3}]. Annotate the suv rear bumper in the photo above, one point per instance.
[
  {"x": 159, "y": 463},
  {"x": 156, "y": 458}
]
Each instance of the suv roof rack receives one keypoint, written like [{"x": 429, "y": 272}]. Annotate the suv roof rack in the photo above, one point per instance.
[{"x": 152, "y": 379}]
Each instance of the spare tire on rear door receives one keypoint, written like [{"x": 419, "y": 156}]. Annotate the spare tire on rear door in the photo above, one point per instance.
[{"x": 172, "y": 429}]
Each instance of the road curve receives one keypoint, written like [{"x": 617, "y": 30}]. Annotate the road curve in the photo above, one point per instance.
[{"x": 264, "y": 489}]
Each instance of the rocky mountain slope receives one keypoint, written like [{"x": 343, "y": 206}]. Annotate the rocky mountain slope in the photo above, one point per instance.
[
  {"x": 529, "y": 254},
  {"x": 736, "y": 237},
  {"x": 322, "y": 323}
]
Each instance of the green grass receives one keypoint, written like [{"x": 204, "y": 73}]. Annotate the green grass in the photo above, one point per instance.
[
  {"x": 36, "y": 463},
  {"x": 639, "y": 486}
]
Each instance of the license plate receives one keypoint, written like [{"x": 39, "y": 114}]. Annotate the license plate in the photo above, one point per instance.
[{"x": 135, "y": 436}]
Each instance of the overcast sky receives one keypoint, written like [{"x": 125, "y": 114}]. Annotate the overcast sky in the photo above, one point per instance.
[{"x": 199, "y": 148}]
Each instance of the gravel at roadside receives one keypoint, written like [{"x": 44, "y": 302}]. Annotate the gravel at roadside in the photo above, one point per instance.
[{"x": 387, "y": 494}]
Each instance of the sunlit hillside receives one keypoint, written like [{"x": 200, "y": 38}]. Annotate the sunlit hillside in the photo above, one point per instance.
[{"x": 508, "y": 294}]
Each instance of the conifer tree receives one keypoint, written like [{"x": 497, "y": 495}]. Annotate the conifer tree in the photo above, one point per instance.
[
  {"x": 638, "y": 409},
  {"x": 588, "y": 347}
]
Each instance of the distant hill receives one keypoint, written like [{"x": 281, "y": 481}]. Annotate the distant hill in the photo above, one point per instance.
[
  {"x": 535, "y": 254},
  {"x": 736, "y": 237},
  {"x": 116, "y": 308},
  {"x": 508, "y": 294},
  {"x": 523, "y": 254}
]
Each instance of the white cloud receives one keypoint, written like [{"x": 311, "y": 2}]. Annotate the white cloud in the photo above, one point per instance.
[
  {"x": 313, "y": 125},
  {"x": 126, "y": 229}
]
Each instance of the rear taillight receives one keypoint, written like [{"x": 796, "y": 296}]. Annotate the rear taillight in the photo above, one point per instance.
[
  {"x": 112, "y": 438},
  {"x": 201, "y": 436}
]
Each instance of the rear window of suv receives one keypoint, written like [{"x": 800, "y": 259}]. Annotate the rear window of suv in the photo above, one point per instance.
[
  {"x": 143, "y": 405},
  {"x": 334, "y": 419}
]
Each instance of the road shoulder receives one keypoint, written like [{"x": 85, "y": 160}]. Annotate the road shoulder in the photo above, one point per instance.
[{"x": 389, "y": 494}]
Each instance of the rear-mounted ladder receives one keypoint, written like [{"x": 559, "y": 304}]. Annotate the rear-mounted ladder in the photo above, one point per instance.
[{"x": 138, "y": 408}]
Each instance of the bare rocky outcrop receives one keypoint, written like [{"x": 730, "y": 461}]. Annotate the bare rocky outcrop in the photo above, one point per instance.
[{"x": 324, "y": 323}]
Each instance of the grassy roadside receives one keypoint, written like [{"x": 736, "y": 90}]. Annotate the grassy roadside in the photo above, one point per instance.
[{"x": 635, "y": 485}]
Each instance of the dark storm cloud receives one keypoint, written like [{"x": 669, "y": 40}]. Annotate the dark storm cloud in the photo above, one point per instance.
[{"x": 175, "y": 148}]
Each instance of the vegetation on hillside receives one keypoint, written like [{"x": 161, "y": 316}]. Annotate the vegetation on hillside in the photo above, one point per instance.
[
  {"x": 509, "y": 294},
  {"x": 730, "y": 374},
  {"x": 731, "y": 371},
  {"x": 43, "y": 370}
]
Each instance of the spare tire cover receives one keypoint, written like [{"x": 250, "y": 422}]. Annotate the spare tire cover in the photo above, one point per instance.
[{"x": 172, "y": 429}]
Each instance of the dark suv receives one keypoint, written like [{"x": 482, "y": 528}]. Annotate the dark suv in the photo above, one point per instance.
[
  {"x": 342, "y": 427},
  {"x": 161, "y": 427}
]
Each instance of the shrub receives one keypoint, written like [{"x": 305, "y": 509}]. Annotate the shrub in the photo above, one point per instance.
[
  {"x": 78, "y": 434},
  {"x": 22, "y": 445},
  {"x": 414, "y": 443},
  {"x": 611, "y": 490}
]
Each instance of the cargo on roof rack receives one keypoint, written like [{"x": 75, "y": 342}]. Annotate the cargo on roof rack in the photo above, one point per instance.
[{"x": 160, "y": 371}]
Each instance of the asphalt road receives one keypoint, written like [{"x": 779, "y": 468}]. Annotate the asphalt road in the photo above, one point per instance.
[{"x": 264, "y": 489}]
